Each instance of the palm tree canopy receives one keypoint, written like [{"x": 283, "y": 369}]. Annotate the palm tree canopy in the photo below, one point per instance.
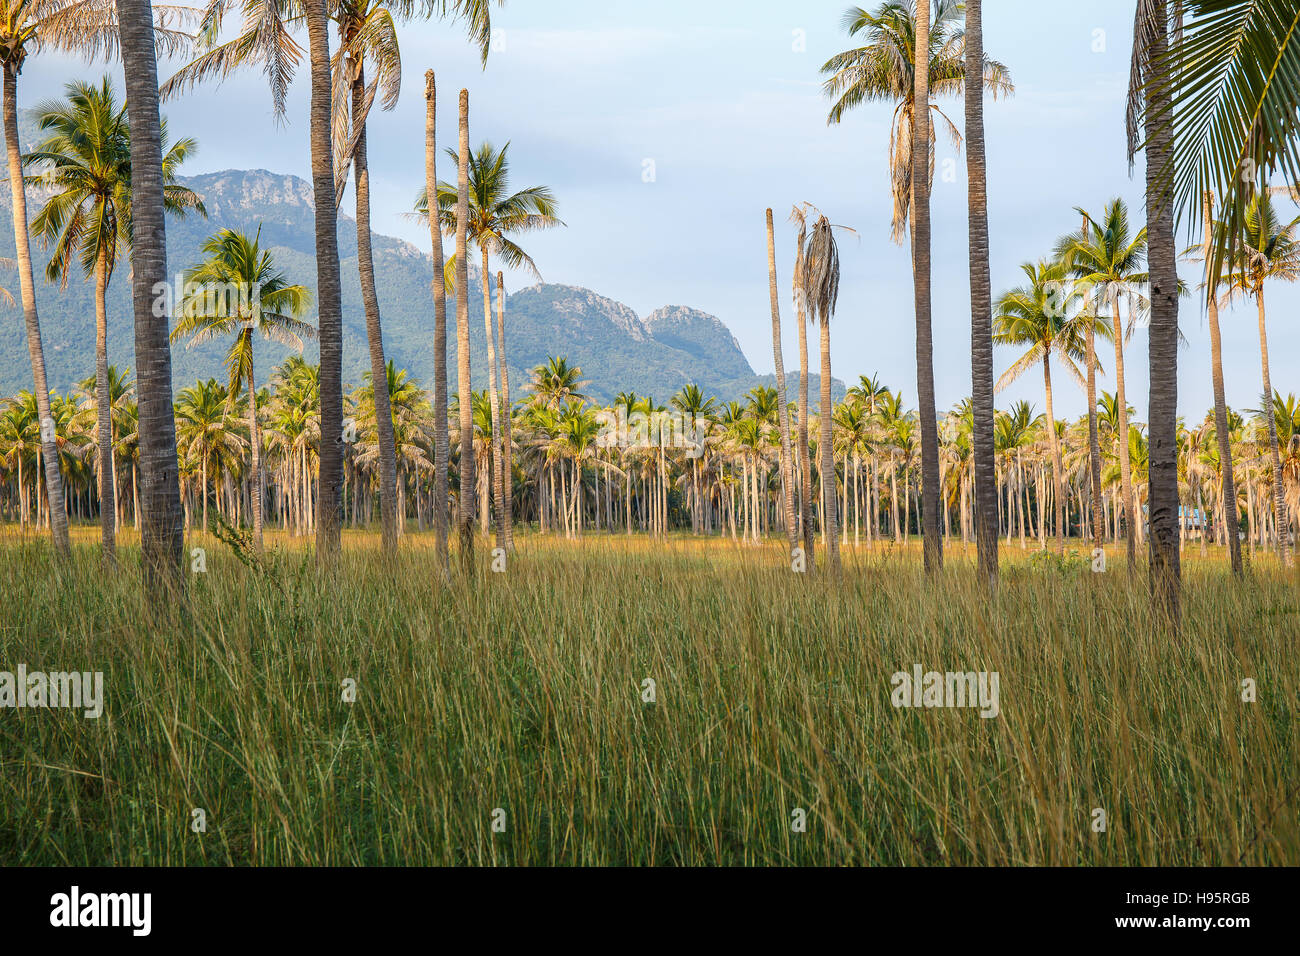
[
  {"x": 883, "y": 70},
  {"x": 495, "y": 213},
  {"x": 85, "y": 159},
  {"x": 1037, "y": 317},
  {"x": 1232, "y": 80},
  {"x": 237, "y": 289}
]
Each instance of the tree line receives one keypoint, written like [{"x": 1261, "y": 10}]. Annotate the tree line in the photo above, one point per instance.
[{"x": 1202, "y": 147}]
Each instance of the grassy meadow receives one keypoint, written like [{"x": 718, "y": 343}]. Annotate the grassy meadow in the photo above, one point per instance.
[{"x": 523, "y": 692}]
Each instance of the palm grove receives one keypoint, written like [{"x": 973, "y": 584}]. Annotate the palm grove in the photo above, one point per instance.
[{"x": 297, "y": 447}]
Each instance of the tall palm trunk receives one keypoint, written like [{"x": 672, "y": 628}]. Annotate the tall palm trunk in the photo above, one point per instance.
[
  {"x": 441, "y": 439},
  {"x": 494, "y": 449},
  {"x": 929, "y": 425},
  {"x": 783, "y": 411},
  {"x": 805, "y": 451},
  {"x": 1058, "y": 486},
  {"x": 830, "y": 522},
  {"x": 1162, "y": 402},
  {"x": 386, "y": 442},
  {"x": 255, "y": 446},
  {"x": 507, "y": 450},
  {"x": 1229, "y": 485},
  {"x": 330, "y": 459},
  {"x": 1282, "y": 524},
  {"x": 104, "y": 414},
  {"x": 1125, "y": 466},
  {"x": 463, "y": 387},
  {"x": 627, "y": 498},
  {"x": 27, "y": 286},
  {"x": 1094, "y": 435},
  {"x": 981, "y": 330},
  {"x": 162, "y": 535}
]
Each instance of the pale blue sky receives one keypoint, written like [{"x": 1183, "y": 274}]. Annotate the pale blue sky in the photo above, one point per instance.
[{"x": 718, "y": 95}]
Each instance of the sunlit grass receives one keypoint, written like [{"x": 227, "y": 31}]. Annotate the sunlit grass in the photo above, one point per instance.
[{"x": 523, "y": 691}]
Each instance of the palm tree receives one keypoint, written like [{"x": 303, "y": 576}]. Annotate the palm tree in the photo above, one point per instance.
[
  {"x": 1030, "y": 317},
  {"x": 205, "y": 439},
  {"x": 63, "y": 26},
  {"x": 367, "y": 29},
  {"x": 252, "y": 295},
  {"x": 120, "y": 391},
  {"x": 922, "y": 154},
  {"x": 982, "y": 410},
  {"x": 85, "y": 159},
  {"x": 265, "y": 39},
  {"x": 1150, "y": 80},
  {"x": 690, "y": 401},
  {"x": 162, "y": 532},
  {"x": 507, "y": 416},
  {"x": 787, "y": 472},
  {"x": 441, "y": 439},
  {"x": 872, "y": 395},
  {"x": 883, "y": 70},
  {"x": 820, "y": 285},
  {"x": 1222, "y": 433},
  {"x": 1108, "y": 259},
  {"x": 329, "y": 295},
  {"x": 1267, "y": 249},
  {"x": 1230, "y": 107},
  {"x": 799, "y": 216},
  {"x": 464, "y": 397},
  {"x": 494, "y": 214},
  {"x": 556, "y": 382}
]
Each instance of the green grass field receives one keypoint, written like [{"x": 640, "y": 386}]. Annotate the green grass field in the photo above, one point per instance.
[{"x": 523, "y": 692}]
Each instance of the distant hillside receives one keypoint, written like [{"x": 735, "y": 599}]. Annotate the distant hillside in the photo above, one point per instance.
[{"x": 616, "y": 349}]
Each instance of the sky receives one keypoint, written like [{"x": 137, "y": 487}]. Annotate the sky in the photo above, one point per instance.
[{"x": 666, "y": 129}]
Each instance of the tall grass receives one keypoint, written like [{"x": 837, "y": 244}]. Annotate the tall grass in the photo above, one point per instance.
[{"x": 523, "y": 691}]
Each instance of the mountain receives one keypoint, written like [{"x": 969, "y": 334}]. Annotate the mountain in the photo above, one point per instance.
[{"x": 616, "y": 349}]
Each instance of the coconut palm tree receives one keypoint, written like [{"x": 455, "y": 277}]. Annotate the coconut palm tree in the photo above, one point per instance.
[
  {"x": 467, "y": 491},
  {"x": 441, "y": 438},
  {"x": 695, "y": 408},
  {"x": 265, "y": 40},
  {"x": 922, "y": 160},
  {"x": 162, "y": 531},
  {"x": 1231, "y": 107},
  {"x": 1149, "y": 95},
  {"x": 328, "y": 287},
  {"x": 799, "y": 215},
  {"x": 820, "y": 285},
  {"x": 1031, "y": 317},
  {"x": 368, "y": 31},
  {"x": 85, "y": 159},
  {"x": 251, "y": 295},
  {"x": 982, "y": 410},
  {"x": 59, "y": 26},
  {"x": 205, "y": 438},
  {"x": 1267, "y": 249},
  {"x": 1108, "y": 260},
  {"x": 556, "y": 382},
  {"x": 121, "y": 389},
  {"x": 1222, "y": 434},
  {"x": 883, "y": 70},
  {"x": 494, "y": 214},
  {"x": 787, "y": 472}
]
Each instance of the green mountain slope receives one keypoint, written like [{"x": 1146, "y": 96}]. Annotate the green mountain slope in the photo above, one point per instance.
[{"x": 616, "y": 349}]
